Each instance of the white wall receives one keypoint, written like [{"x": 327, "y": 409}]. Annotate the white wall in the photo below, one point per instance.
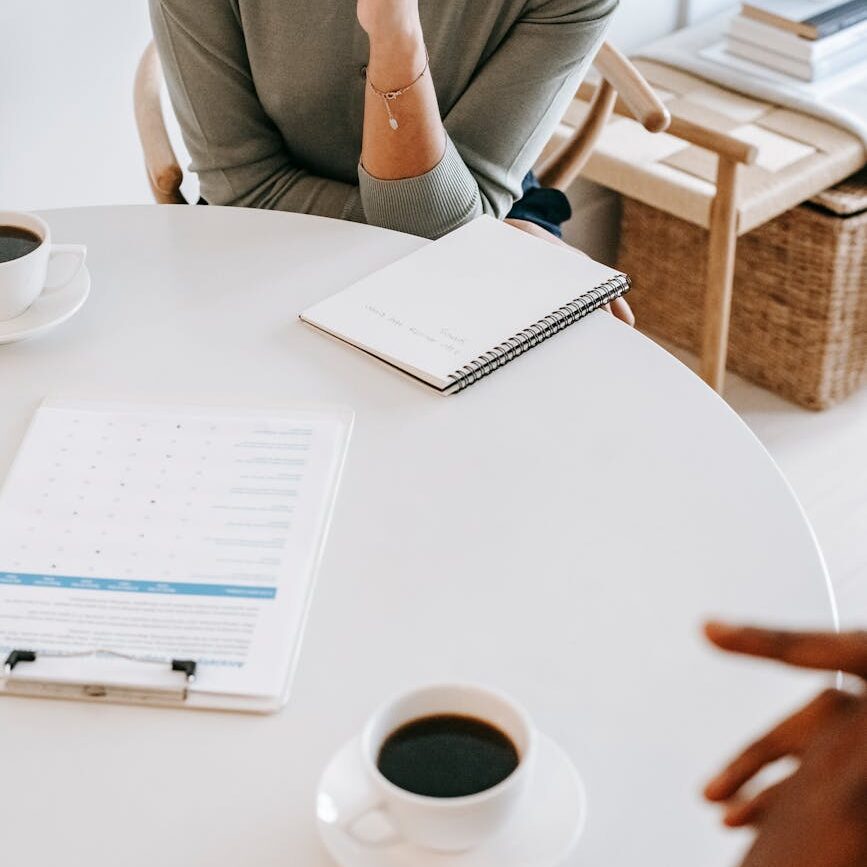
[{"x": 67, "y": 135}]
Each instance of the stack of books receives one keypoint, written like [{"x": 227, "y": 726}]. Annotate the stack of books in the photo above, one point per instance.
[{"x": 807, "y": 39}]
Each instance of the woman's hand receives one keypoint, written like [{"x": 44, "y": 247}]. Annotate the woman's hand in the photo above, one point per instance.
[
  {"x": 389, "y": 19},
  {"x": 817, "y": 817},
  {"x": 618, "y": 307}
]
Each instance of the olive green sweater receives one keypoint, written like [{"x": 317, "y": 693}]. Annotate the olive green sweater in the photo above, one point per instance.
[{"x": 270, "y": 99}]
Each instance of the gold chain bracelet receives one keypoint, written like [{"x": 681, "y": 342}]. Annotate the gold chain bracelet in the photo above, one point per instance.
[{"x": 388, "y": 96}]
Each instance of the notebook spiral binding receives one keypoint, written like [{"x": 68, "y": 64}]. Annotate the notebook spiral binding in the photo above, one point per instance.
[{"x": 561, "y": 318}]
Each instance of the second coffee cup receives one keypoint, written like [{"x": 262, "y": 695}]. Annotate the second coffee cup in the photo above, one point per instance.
[
  {"x": 24, "y": 267},
  {"x": 447, "y": 765}
]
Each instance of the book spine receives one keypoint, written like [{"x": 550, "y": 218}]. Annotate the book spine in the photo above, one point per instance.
[
  {"x": 769, "y": 37},
  {"x": 546, "y": 327},
  {"x": 805, "y": 70},
  {"x": 756, "y": 13},
  {"x": 771, "y": 60},
  {"x": 839, "y": 18},
  {"x": 790, "y": 44}
]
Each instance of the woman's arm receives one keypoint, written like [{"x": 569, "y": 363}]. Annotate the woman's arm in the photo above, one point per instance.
[
  {"x": 241, "y": 161},
  {"x": 427, "y": 177},
  {"x": 397, "y": 59}
]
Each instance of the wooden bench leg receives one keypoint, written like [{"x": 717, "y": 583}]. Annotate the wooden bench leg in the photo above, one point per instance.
[{"x": 722, "y": 240}]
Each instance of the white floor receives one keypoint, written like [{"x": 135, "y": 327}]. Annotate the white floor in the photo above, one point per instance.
[{"x": 67, "y": 138}]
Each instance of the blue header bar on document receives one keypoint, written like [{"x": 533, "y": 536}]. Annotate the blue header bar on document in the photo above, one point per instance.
[{"x": 176, "y": 588}]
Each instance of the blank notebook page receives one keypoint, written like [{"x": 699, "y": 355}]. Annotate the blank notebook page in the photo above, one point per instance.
[{"x": 456, "y": 298}]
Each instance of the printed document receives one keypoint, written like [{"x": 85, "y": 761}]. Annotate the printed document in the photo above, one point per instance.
[{"x": 163, "y": 533}]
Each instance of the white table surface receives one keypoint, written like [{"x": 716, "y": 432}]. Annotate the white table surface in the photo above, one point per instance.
[{"x": 558, "y": 530}]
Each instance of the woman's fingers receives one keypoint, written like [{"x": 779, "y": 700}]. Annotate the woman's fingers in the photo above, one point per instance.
[
  {"x": 752, "y": 812},
  {"x": 845, "y": 651},
  {"x": 621, "y": 309},
  {"x": 790, "y": 737},
  {"x": 618, "y": 307}
]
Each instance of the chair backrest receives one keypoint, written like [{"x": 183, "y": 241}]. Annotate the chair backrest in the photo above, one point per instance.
[
  {"x": 164, "y": 172},
  {"x": 619, "y": 79},
  {"x": 620, "y": 82}
]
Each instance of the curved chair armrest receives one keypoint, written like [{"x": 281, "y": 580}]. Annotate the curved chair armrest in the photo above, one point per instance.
[
  {"x": 622, "y": 90},
  {"x": 645, "y": 106},
  {"x": 164, "y": 172},
  {"x": 567, "y": 163}
]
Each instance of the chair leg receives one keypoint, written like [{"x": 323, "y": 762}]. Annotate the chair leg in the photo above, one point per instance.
[{"x": 722, "y": 240}]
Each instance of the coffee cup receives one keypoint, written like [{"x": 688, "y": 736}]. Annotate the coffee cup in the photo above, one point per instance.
[
  {"x": 26, "y": 254},
  {"x": 446, "y": 765}
]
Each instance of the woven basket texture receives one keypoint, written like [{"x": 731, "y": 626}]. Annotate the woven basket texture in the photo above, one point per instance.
[
  {"x": 799, "y": 308},
  {"x": 848, "y": 197}
]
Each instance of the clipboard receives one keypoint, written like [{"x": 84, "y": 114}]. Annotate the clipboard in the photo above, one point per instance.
[
  {"x": 21, "y": 676},
  {"x": 269, "y": 465},
  {"x": 168, "y": 683}
]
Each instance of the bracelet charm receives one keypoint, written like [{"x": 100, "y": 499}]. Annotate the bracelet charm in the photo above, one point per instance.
[{"x": 389, "y": 96}]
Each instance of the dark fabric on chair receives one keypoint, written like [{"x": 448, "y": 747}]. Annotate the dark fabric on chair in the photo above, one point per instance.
[{"x": 545, "y": 206}]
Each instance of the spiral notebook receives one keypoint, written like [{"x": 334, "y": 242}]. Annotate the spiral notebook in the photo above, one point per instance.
[{"x": 465, "y": 305}]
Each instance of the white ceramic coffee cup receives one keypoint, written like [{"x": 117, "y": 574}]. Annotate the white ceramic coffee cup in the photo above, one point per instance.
[
  {"x": 24, "y": 278},
  {"x": 442, "y": 824}
]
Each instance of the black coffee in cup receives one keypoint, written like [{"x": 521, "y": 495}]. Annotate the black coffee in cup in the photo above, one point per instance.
[
  {"x": 447, "y": 756},
  {"x": 16, "y": 242}
]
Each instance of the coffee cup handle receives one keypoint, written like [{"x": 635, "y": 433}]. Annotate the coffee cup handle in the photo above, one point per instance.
[
  {"x": 370, "y": 806},
  {"x": 79, "y": 251}
]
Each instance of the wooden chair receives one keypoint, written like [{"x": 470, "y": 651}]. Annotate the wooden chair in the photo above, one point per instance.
[
  {"x": 164, "y": 173},
  {"x": 621, "y": 88},
  {"x": 731, "y": 155},
  {"x": 559, "y": 169}
]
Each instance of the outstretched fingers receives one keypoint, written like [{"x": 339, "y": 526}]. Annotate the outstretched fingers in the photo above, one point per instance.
[
  {"x": 845, "y": 651},
  {"x": 752, "y": 811},
  {"x": 790, "y": 737}
]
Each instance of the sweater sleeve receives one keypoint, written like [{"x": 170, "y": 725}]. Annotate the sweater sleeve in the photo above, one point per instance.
[
  {"x": 237, "y": 152},
  {"x": 497, "y": 129}
]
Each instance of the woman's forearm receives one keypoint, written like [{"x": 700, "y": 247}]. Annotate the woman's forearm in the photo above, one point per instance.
[
  {"x": 429, "y": 176},
  {"x": 397, "y": 57}
]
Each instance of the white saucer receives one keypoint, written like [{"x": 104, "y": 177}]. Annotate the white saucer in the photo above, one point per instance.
[
  {"x": 543, "y": 832},
  {"x": 52, "y": 307}
]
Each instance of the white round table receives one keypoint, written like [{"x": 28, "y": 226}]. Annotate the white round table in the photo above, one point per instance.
[{"x": 558, "y": 530}]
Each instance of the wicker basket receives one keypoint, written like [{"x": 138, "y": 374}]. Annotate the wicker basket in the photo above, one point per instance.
[{"x": 799, "y": 310}]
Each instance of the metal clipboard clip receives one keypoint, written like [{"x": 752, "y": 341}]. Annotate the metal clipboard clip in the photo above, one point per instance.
[{"x": 22, "y": 675}]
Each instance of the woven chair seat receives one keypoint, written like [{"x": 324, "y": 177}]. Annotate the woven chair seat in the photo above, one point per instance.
[{"x": 798, "y": 156}]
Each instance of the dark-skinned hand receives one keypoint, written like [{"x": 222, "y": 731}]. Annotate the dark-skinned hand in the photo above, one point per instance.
[{"x": 816, "y": 817}]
